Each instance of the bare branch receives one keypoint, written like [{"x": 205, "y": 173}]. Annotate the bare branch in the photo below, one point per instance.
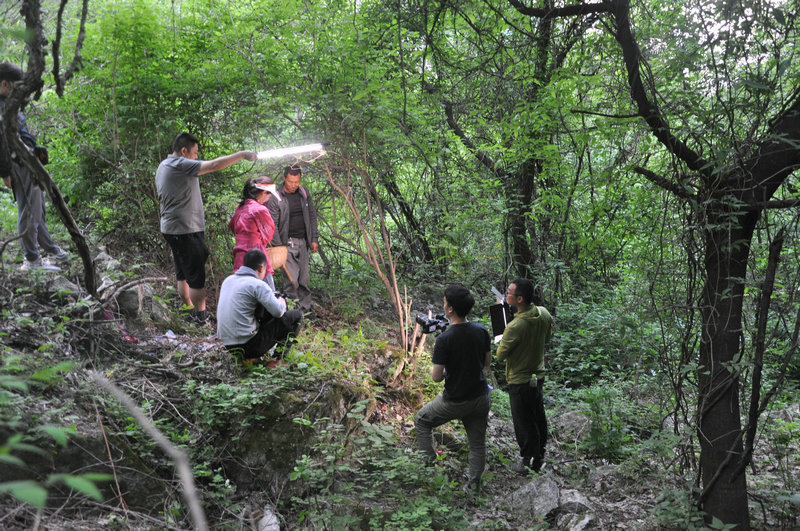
[
  {"x": 647, "y": 109},
  {"x": 767, "y": 288},
  {"x": 178, "y": 456},
  {"x": 482, "y": 156},
  {"x": 663, "y": 182},
  {"x": 566, "y": 11},
  {"x": 76, "y": 58},
  {"x": 777, "y": 204},
  {"x": 128, "y": 285},
  {"x": 605, "y": 115}
]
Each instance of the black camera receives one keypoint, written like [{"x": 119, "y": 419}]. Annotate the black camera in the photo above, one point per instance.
[{"x": 437, "y": 323}]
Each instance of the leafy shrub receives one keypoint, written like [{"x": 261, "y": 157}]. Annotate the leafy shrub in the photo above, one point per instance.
[
  {"x": 361, "y": 477},
  {"x": 609, "y": 435},
  {"x": 14, "y": 383},
  {"x": 593, "y": 339}
]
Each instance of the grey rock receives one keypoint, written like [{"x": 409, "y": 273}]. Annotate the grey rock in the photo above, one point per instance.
[
  {"x": 575, "y": 522},
  {"x": 540, "y": 497},
  {"x": 601, "y": 473},
  {"x": 573, "y": 501},
  {"x": 130, "y": 302},
  {"x": 63, "y": 286},
  {"x": 601, "y": 477},
  {"x": 139, "y": 300},
  {"x": 106, "y": 261},
  {"x": 571, "y": 427},
  {"x": 269, "y": 521}
]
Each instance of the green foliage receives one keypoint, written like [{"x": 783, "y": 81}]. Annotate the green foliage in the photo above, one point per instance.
[
  {"x": 608, "y": 436},
  {"x": 359, "y": 475},
  {"x": 592, "y": 340},
  {"x": 15, "y": 382},
  {"x": 675, "y": 509},
  {"x": 339, "y": 353},
  {"x": 501, "y": 405},
  {"x": 213, "y": 405}
]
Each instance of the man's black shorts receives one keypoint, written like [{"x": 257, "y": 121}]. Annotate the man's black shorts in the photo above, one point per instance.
[{"x": 190, "y": 252}]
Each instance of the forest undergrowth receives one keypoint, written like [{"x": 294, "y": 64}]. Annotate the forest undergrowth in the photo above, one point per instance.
[{"x": 325, "y": 441}]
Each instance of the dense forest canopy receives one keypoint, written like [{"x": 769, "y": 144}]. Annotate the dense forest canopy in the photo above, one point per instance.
[{"x": 636, "y": 160}]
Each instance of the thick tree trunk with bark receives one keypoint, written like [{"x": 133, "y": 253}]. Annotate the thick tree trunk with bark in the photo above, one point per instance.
[
  {"x": 520, "y": 198},
  {"x": 724, "y": 492}
]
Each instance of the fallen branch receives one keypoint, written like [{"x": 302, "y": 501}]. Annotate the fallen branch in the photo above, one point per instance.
[{"x": 176, "y": 455}]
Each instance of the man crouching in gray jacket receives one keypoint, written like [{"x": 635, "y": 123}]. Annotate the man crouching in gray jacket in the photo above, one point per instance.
[{"x": 243, "y": 326}]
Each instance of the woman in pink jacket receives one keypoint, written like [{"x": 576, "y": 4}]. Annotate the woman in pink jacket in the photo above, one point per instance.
[{"x": 252, "y": 223}]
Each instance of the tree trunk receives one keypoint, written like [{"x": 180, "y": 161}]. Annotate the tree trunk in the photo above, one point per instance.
[
  {"x": 415, "y": 233},
  {"x": 724, "y": 492},
  {"x": 520, "y": 194}
]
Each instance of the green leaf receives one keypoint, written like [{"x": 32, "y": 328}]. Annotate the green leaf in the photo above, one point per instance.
[
  {"x": 49, "y": 373},
  {"x": 14, "y": 460},
  {"x": 756, "y": 84},
  {"x": 28, "y": 448},
  {"x": 27, "y": 491},
  {"x": 80, "y": 484},
  {"x": 58, "y": 433},
  {"x": 12, "y": 382},
  {"x": 13, "y": 440}
]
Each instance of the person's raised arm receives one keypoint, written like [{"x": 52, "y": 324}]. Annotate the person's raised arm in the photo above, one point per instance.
[{"x": 220, "y": 163}]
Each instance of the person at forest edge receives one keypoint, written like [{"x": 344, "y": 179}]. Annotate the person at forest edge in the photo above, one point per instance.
[
  {"x": 250, "y": 318},
  {"x": 522, "y": 347},
  {"x": 460, "y": 356},
  {"x": 296, "y": 227},
  {"x": 252, "y": 223},
  {"x": 183, "y": 217},
  {"x": 30, "y": 198}
]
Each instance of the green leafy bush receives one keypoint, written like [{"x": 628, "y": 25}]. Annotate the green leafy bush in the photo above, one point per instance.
[
  {"x": 14, "y": 382},
  {"x": 609, "y": 436},
  {"x": 594, "y": 339},
  {"x": 359, "y": 476}
]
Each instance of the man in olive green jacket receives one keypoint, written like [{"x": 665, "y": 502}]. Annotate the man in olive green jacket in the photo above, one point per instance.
[{"x": 522, "y": 347}]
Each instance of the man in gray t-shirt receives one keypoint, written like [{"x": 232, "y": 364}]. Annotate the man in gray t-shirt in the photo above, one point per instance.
[{"x": 183, "y": 217}]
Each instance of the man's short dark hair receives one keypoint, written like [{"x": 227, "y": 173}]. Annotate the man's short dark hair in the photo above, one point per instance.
[
  {"x": 460, "y": 299},
  {"x": 524, "y": 289},
  {"x": 184, "y": 140},
  {"x": 10, "y": 72},
  {"x": 254, "y": 259},
  {"x": 294, "y": 169}
]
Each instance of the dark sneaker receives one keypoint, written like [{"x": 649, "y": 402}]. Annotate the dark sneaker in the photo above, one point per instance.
[
  {"x": 193, "y": 316},
  {"x": 523, "y": 466},
  {"x": 61, "y": 256},
  {"x": 473, "y": 488}
]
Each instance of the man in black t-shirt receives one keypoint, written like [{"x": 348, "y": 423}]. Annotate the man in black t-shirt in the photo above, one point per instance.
[{"x": 461, "y": 356}]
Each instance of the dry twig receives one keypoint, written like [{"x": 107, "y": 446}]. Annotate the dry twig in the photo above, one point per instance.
[{"x": 176, "y": 455}]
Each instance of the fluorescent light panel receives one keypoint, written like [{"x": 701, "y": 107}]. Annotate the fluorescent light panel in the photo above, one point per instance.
[{"x": 282, "y": 152}]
